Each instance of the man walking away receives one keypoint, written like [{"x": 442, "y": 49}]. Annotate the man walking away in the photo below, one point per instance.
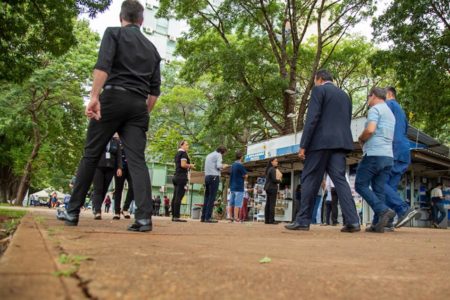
[
  {"x": 213, "y": 167},
  {"x": 128, "y": 71},
  {"x": 375, "y": 166},
  {"x": 326, "y": 140},
  {"x": 237, "y": 182},
  {"x": 402, "y": 159},
  {"x": 438, "y": 206}
]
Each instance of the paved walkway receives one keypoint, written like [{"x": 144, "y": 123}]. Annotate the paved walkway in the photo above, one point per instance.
[{"x": 220, "y": 261}]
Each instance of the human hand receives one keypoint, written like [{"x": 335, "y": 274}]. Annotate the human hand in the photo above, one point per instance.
[
  {"x": 192, "y": 166},
  {"x": 93, "y": 109},
  {"x": 119, "y": 173},
  {"x": 301, "y": 154},
  {"x": 224, "y": 166}
]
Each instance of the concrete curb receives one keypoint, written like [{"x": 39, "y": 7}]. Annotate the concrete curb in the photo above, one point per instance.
[{"x": 31, "y": 261}]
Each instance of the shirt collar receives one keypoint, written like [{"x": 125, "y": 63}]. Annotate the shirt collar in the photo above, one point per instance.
[
  {"x": 132, "y": 25},
  {"x": 181, "y": 149}
]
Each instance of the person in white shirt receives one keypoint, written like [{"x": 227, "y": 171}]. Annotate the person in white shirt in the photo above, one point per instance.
[{"x": 438, "y": 205}]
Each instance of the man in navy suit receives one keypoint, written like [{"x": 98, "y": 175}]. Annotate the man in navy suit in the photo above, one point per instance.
[{"x": 325, "y": 142}]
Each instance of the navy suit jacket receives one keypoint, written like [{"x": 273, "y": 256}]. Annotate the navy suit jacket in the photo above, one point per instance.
[{"x": 328, "y": 120}]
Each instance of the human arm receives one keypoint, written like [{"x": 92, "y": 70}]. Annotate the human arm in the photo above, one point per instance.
[
  {"x": 312, "y": 119},
  {"x": 372, "y": 121}
]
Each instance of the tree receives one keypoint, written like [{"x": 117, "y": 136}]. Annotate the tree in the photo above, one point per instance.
[
  {"x": 41, "y": 120},
  {"x": 252, "y": 49},
  {"x": 30, "y": 28},
  {"x": 418, "y": 32}
]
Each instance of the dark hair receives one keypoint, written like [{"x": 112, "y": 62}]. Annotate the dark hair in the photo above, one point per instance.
[
  {"x": 239, "y": 154},
  {"x": 378, "y": 92},
  {"x": 438, "y": 184},
  {"x": 324, "y": 75},
  {"x": 269, "y": 164},
  {"x": 181, "y": 143},
  {"x": 132, "y": 11},
  {"x": 221, "y": 149},
  {"x": 392, "y": 90}
]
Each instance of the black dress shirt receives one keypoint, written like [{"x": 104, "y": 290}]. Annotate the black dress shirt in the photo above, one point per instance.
[
  {"x": 178, "y": 158},
  {"x": 130, "y": 60}
]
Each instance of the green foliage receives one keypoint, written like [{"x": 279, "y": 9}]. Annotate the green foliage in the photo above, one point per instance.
[
  {"x": 54, "y": 93},
  {"x": 419, "y": 34},
  {"x": 75, "y": 260},
  {"x": 30, "y": 30}
]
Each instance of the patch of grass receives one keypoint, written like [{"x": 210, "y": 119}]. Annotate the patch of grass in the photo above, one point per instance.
[
  {"x": 39, "y": 219},
  {"x": 54, "y": 230},
  {"x": 65, "y": 273},
  {"x": 5, "y": 204},
  {"x": 9, "y": 213},
  {"x": 72, "y": 259}
]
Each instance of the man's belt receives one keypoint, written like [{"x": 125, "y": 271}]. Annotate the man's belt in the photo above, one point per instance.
[{"x": 114, "y": 87}]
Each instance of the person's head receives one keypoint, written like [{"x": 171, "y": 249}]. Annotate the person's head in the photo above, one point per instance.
[
  {"x": 391, "y": 93},
  {"x": 239, "y": 155},
  {"x": 221, "y": 149},
  {"x": 184, "y": 145},
  {"x": 131, "y": 12},
  {"x": 376, "y": 95},
  {"x": 439, "y": 185},
  {"x": 322, "y": 76},
  {"x": 272, "y": 163}
]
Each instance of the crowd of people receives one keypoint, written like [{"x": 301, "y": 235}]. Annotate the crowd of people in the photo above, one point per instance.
[{"x": 126, "y": 85}]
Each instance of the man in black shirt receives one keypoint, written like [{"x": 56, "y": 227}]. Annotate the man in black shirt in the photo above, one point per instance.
[{"x": 128, "y": 71}]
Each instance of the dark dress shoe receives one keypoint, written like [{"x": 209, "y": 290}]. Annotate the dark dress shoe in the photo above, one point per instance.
[
  {"x": 178, "y": 220},
  {"x": 296, "y": 226},
  {"x": 383, "y": 220},
  {"x": 211, "y": 221},
  {"x": 351, "y": 228},
  {"x": 70, "y": 220},
  {"x": 141, "y": 225},
  {"x": 273, "y": 223}
]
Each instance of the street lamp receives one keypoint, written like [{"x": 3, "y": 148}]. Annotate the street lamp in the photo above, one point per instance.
[{"x": 294, "y": 117}]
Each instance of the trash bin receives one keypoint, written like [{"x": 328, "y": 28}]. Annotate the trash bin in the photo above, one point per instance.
[{"x": 196, "y": 213}]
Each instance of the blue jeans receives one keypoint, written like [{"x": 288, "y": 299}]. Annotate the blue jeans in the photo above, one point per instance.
[
  {"x": 317, "y": 211},
  {"x": 393, "y": 199},
  {"x": 373, "y": 171},
  {"x": 211, "y": 187},
  {"x": 438, "y": 207}
]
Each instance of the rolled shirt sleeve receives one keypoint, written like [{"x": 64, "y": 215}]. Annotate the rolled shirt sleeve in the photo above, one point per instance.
[{"x": 107, "y": 51}]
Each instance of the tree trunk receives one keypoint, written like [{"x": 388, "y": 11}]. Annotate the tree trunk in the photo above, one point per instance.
[
  {"x": 25, "y": 179},
  {"x": 8, "y": 183}
]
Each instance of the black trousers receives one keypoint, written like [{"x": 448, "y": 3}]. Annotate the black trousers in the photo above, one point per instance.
[
  {"x": 269, "y": 210},
  {"x": 126, "y": 113},
  {"x": 179, "y": 182},
  {"x": 332, "y": 208},
  {"x": 316, "y": 164},
  {"x": 102, "y": 180},
  {"x": 119, "y": 184}
]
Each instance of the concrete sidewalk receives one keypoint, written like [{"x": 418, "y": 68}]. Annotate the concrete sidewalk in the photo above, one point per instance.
[{"x": 221, "y": 261}]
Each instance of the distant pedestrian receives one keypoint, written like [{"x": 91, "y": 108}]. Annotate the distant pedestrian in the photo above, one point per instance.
[
  {"x": 180, "y": 179},
  {"x": 439, "y": 211},
  {"x": 119, "y": 184},
  {"x": 54, "y": 200},
  {"x": 331, "y": 203},
  {"x": 166, "y": 206},
  {"x": 273, "y": 178},
  {"x": 375, "y": 166},
  {"x": 238, "y": 175},
  {"x": 213, "y": 168},
  {"x": 157, "y": 205},
  {"x": 107, "y": 203}
]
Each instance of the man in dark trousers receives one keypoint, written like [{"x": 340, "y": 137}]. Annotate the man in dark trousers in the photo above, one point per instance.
[
  {"x": 128, "y": 71},
  {"x": 326, "y": 140}
]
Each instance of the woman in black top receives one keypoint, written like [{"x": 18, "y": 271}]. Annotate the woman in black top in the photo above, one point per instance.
[
  {"x": 271, "y": 188},
  {"x": 110, "y": 161},
  {"x": 180, "y": 179}
]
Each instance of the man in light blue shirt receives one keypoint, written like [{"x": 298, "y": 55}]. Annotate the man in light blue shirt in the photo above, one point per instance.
[
  {"x": 376, "y": 164},
  {"x": 213, "y": 168}
]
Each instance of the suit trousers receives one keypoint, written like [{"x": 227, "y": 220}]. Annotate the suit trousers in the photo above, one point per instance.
[
  {"x": 316, "y": 164},
  {"x": 124, "y": 112},
  {"x": 118, "y": 189},
  {"x": 269, "y": 210},
  {"x": 102, "y": 180},
  {"x": 179, "y": 182}
]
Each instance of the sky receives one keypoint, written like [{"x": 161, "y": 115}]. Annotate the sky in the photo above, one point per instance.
[{"x": 111, "y": 18}]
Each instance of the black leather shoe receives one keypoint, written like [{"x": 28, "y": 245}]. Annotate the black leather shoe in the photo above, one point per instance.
[
  {"x": 296, "y": 226},
  {"x": 273, "y": 223},
  {"x": 142, "y": 225},
  {"x": 351, "y": 228},
  {"x": 70, "y": 220},
  {"x": 211, "y": 221},
  {"x": 383, "y": 220},
  {"x": 178, "y": 220}
]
